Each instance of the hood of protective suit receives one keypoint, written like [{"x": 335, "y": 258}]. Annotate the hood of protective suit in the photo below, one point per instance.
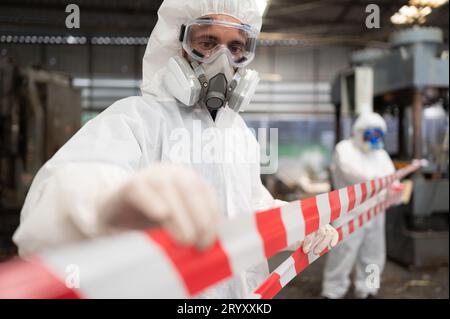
[
  {"x": 369, "y": 120},
  {"x": 164, "y": 40}
]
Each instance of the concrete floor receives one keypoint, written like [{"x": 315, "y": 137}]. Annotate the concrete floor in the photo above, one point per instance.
[{"x": 398, "y": 282}]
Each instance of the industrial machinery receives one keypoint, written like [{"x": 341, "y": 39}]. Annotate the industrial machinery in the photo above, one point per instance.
[
  {"x": 39, "y": 112},
  {"x": 409, "y": 86}
]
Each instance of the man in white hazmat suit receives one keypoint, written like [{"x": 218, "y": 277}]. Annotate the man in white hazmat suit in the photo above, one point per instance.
[
  {"x": 138, "y": 164},
  {"x": 355, "y": 160}
]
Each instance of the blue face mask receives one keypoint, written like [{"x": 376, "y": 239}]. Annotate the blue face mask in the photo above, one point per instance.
[{"x": 373, "y": 138}]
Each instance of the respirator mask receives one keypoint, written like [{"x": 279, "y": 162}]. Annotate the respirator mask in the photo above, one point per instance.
[
  {"x": 373, "y": 139},
  {"x": 213, "y": 72}
]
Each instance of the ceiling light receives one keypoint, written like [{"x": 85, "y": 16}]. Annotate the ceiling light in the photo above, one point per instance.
[
  {"x": 428, "y": 3},
  {"x": 410, "y": 15}
]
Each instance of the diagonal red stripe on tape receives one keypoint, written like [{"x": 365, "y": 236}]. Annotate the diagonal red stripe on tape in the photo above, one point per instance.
[
  {"x": 335, "y": 204},
  {"x": 361, "y": 220},
  {"x": 272, "y": 231},
  {"x": 351, "y": 197},
  {"x": 363, "y": 193},
  {"x": 351, "y": 227},
  {"x": 310, "y": 214},
  {"x": 270, "y": 287},
  {"x": 373, "y": 187},
  {"x": 198, "y": 269},
  {"x": 381, "y": 182},
  {"x": 376, "y": 210},
  {"x": 341, "y": 235},
  {"x": 32, "y": 280},
  {"x": 301, "y": 260}
]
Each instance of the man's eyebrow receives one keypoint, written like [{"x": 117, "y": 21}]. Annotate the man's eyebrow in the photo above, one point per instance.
[
  {"x": 235, "y": 41},
  {"x": 206, "y": 36}
]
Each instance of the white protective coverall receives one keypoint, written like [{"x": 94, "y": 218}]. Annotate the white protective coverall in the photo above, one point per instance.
[
  {"x": 137, "y": 131},
  {"x": 351, "y": 165}
]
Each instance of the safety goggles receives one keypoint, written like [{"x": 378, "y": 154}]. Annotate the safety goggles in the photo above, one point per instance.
[
  {"x": 373, "y": 136},
  {"x": 204, "y": 39}
]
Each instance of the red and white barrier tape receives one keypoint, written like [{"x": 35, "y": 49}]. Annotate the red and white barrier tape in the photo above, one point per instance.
[
  {"x": 299, "y": 261},
  {"x": 151, "y": 265}
]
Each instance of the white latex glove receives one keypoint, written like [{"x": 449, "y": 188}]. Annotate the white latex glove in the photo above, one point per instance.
[
  {"x": 167, "y": 195},
  {"x": 325, "y": 236},
  {"x": 420, "y": 162}
]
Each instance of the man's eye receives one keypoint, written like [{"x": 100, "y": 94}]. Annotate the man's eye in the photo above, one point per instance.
[
  {"x": 207, "y": 45},
  {"x": 236, "y": 49}
]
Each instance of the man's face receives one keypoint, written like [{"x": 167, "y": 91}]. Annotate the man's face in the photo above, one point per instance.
[
  {"x": 206, "y": 39},
  {"x": 373, "y": 137}
]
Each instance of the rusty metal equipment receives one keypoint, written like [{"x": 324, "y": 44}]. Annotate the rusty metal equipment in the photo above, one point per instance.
[{"x": 39, "y": 112}]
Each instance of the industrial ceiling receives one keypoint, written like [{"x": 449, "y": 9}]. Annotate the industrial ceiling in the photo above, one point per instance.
[{"x": 318, "y": 21}]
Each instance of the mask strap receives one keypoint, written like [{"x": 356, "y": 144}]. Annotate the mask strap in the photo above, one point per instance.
[{"x": 182, "y": 32}]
